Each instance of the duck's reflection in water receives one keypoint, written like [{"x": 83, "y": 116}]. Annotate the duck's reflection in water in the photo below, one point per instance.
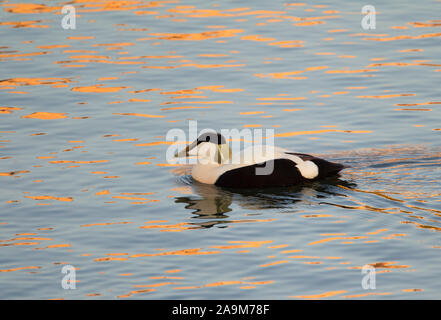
[{"x": 212, "y": 203}]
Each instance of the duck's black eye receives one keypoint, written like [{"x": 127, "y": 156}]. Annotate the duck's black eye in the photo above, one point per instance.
[{"x": 211, "y": 137}]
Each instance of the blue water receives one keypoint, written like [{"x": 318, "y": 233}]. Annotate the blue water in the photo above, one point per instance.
[{"x": 85, "y": 182}]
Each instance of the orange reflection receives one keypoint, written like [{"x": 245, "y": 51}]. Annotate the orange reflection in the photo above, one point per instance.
[
  {"x": 33, "y": 81},
  {"x": 139, "y": 100},
  {"x": 28, "y": 8},
  {"x": 256, "y": 38},
  {"x": 386, "y": 96},
  {"x": 198, "y": 102},
  {"x": 421, "y": 36},
  {"x": 80, "y": 162},
  {"x": 281, "y": 98},
  {"x": 198, "y": 36},
  {"x": 336, "y": 238},
  {"x": 321, "y": 295},
  {"x": 20, "y": 268},
  {"x": 378, "y": 231},
  {"x": 64, "y": 199},
  {"x": 287, "y": 43},
  {"x": 309, "y": 23},
  {"x": 185, "y": 91},
  {"x": 417, "y": 104},
  {"x": 212, "y": 55},
  {"x": 159, "y": 143},
  {"x": 104, "y": 224},
  {"x": 109, "y": 259},
  {"x": 362, "y": 295},
  {"x": 62, "y": 245},
  {"x": 186, "y": 107},
  {"x": 154, "y": 285},
  {"x": 251, "y": 112},
  {"x": 424, "y": 24},
  {"x": 226, "y": 283},
  {"x": 384, "y": 265},
  {"x": 352, "y": 71},
  {"x": 137, "y": 193},
  {"x": 412, "y": 290},
  {"x": 273, "y": 263},
  {"x": 411, "y": 50},
  {"x": 98, "y": 89},
  {"x": 295, "y": 133},
  {"x": 124, "y": 140},
  {"x": 139, "y": 115},
  {"x": 244, "y": 244},
  {"x": 8, "y": 109},
  {"x": 23, "y": 24},
  {"x": 136, "y": 292},
  {"x": 184, "y": 252},
  {"x": 178, "y": 100},
  {"x": 81, "y": 38},
  {"x": 16, "y": 55},
  {"x": 100, "y": 193}
]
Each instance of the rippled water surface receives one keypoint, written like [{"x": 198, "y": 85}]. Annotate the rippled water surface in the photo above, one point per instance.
[{"x": 84, "y": 115}]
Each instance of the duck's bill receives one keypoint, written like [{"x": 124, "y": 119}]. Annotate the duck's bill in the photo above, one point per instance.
[{"x": 186, "y": 152}]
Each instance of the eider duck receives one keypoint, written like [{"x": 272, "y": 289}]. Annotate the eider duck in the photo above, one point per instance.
[{"x": 258, "y": 166}]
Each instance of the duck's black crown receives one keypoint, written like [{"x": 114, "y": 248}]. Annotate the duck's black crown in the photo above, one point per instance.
[{"x": 212, "y": 137}]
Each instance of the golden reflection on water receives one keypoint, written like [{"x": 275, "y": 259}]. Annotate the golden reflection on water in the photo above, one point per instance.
[
  {"x": 282, "y": 253},
  {"x": 209, "y": 206}
]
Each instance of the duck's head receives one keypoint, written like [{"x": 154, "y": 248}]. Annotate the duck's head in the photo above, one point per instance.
[{"x": 209, "y": 146}]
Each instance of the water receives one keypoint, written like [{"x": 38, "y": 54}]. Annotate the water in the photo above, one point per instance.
[{"x": 85, "y": 182}]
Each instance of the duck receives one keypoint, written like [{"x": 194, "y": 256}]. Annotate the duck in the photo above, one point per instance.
[{"x": 257, "y": 166}]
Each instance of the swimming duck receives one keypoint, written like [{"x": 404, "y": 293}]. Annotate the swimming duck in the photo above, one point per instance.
[{"x": 257, "y": 166}]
